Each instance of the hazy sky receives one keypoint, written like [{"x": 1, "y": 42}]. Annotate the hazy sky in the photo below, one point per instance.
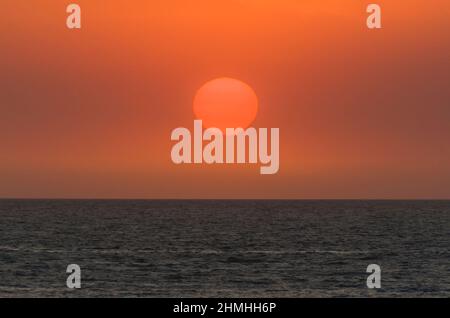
[{"x": 88, "y": 113}]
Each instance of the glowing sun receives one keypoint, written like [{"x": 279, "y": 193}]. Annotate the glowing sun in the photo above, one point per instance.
[{"x": 226, "y": 103}]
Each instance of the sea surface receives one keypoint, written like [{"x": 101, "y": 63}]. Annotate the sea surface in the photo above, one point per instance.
[{"x": 141, "y": 248}]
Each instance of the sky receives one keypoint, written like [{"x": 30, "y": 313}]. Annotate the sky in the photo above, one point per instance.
[{"x": 363, "y": 114}]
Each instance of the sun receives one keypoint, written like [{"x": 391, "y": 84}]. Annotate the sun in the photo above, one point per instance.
[{"x": 226, "y": 103}]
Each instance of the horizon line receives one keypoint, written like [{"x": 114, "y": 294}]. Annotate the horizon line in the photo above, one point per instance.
[{"x": 224, "y": 199}]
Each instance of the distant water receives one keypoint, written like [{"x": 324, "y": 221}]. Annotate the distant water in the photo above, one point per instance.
[{"x": 224, "y": 248}]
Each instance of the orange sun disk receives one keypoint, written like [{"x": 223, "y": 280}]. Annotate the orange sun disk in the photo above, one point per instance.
[{"x": 226, "y": 103}]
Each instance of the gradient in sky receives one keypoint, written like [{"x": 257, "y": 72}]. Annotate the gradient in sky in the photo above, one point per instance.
[{"x": 88, "y": 113}]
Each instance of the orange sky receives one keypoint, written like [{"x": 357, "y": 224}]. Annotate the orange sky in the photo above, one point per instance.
[{"x": 88, "y": 113}]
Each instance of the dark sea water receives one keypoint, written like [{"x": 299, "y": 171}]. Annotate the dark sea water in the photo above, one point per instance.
[{"x": 224, "y": 248}]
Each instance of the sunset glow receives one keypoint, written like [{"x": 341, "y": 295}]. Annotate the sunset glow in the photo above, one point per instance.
[{"x": 88, "y": 113}]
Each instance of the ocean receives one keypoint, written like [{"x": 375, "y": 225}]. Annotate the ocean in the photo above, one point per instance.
[{"x": 214, "y": 248}]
